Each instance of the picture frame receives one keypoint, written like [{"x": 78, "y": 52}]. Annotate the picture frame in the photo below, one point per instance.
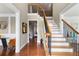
[
  {"x": 3, "y": 25},
  {"x": 24, "y": 27}
]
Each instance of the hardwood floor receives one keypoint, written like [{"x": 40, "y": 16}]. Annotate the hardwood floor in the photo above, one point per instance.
[
  {"x": 7, "y": 52},
  {"x": 32, "y": 49}
]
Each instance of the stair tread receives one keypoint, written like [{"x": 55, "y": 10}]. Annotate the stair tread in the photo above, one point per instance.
[
  {"x": 55, "y": 31},
  {"x": 61, "y": 50},
  {"x": 56, "y": 34},
  {"x": 57, "y": 41},
  {"x": 53, "y": 27},
  {"x": 63, "y": 53},
  {"x": 60, "y": 44},
  {"x": 60, "y": 47},
  {"x": 57, "y": 38}
]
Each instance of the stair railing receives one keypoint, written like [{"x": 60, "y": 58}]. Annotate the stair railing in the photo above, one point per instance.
[
  {"x": 47, "y": 29},
  {"x": 72, "y": 35}
]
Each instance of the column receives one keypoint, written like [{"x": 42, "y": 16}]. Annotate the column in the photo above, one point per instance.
[{"x": 17, "y": 32}]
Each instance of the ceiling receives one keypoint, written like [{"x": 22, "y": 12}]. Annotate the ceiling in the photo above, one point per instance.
[{"x": 7, "y": 8}]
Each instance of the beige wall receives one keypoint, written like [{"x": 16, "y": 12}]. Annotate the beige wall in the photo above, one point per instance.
[
  {"x": 57, "y": 8},
  {"x": 23, "y": 16}
]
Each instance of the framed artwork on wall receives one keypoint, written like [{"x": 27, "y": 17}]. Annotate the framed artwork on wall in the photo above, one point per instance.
[
  {"x": 24, "y": 27},
  {"x": 3, "y": 25}
]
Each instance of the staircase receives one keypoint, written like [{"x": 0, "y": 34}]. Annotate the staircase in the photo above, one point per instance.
[{"x": 59, "y": 45}]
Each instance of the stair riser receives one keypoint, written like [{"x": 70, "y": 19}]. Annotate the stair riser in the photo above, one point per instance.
[
  {"x": 54, "y": 29},
  {"x": 53, "y": 26},
  {"x": 53, "y": 36},
  {"x": 56, "y": 33},
  {"x": 59, "y": 44},
  {"x": 58, "y": 39},
  {"x": 57, "y": 36},
  {"x": 61, "y": 50},
  {"x": 57, "y": 30}
]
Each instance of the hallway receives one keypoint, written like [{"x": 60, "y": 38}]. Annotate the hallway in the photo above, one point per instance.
[{"x": 32, "y": 49}]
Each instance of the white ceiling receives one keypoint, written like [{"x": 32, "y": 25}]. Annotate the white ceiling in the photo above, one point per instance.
[
  {"x": 74, "y": 11},
  {"x": 6, "y": 9}
]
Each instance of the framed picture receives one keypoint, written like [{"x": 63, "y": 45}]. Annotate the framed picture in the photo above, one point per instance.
[
  {"x": 24, "y": 27},
  {"x": 3, "y": 25}
]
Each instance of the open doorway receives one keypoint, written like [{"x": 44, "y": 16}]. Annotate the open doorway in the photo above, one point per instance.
[{"x": 32, "y": 31}]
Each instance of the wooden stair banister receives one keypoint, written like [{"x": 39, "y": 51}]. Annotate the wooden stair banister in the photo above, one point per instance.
[
  {"x": 70, "y": 26},
  {"x": 47, "y": 28},
  {"x": 48, "y": 31}
]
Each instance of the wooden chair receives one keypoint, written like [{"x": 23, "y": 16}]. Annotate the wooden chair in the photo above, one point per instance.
[{"x": 12, "y": 43}]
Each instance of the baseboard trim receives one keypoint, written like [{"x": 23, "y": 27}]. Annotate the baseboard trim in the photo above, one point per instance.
[
  {"x": 24, "y": 45},
  {"x": 38, "y": 42},
  {"x": 49, "y": 17},
  {"x": 46, "y": 50}
]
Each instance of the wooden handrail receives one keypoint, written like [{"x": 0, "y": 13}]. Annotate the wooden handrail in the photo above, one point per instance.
[
  {"x": 44, "y": 15},
  {"x": 48, "y": 32},
  {"x": 70, "y": 26},
  {"x": 39, "y": 7}
]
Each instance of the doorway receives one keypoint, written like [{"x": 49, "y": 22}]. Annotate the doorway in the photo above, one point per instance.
[{"x": 32, "y": 31}]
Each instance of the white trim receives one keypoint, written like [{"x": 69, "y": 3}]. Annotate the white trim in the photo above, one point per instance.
[
  {"x": 24, "y": 45},
  {"x": 7, "y": 15},
  {"x": 17, "y": 32},
  {"x": 49, "y": 17},
  {"x": 9, "y": 25},
  {"x": 61, "y": 49},
  {"x": 32, "y": 14},
  {"x": 77, "y": 38},
  {"x": 12, "y": 7},
  {"x": 30, "y": 9},
  {"x": 60, "y": 44},
  {"x": 61, "y": 23},
  {"x": 38, "y": 41},
  {"x": 58, "y": 39},
  {"x": 67, "y": 8},
  {"x": 28, "y": 30},
  {"x": 32, "y": 19}
]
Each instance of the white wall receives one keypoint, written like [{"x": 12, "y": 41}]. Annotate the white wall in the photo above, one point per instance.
[
  {"x": 39, "y": 30},
  {"x": 23, "y": 16},
  {"x": 4, "y": 32},
  {"x": 13, "y": 26},
  {"x": 57, "y": 8},
  {"x": 4, "y": 9},
  {"x": 4, "y": 21},
  {"x": 73, "y": 11}
]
